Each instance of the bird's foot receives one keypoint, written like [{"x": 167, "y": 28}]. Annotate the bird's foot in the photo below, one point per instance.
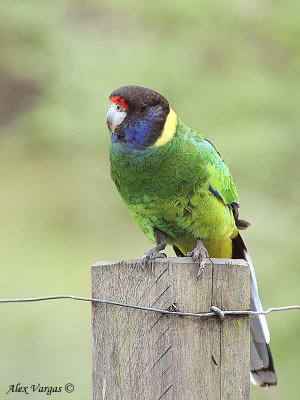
[
  {"x": 152, "y": 254},
  {"x": 200, "y": 255}
]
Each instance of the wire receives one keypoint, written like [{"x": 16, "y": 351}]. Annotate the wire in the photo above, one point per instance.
[{"x": 215, "y": 310}]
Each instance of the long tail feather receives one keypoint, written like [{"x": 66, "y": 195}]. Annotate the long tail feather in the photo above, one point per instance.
[{"x": 261, "y": 360}]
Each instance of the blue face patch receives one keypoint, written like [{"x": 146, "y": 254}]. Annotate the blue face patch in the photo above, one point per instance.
[{"x": 138, "y": 133}]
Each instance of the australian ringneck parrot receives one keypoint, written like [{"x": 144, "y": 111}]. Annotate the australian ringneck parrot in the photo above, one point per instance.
[{"x": 179, "y": 190}]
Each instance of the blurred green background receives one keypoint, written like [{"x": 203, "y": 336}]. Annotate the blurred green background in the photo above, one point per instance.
[{"x": 230, "y": 70}]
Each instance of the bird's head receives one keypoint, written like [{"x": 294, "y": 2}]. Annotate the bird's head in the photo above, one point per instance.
[{"x": 139, "y": 117}]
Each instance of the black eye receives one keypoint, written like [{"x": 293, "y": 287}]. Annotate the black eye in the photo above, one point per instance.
[
  {"x": 119, "y": 108},
  {"x": 143, "y": 107}
]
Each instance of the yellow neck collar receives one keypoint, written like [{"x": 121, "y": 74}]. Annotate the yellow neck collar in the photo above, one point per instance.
[{"x": 168, "y": 130}]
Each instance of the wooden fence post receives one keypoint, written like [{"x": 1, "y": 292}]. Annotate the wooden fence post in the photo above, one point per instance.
[{"x": 140, "y": 355}]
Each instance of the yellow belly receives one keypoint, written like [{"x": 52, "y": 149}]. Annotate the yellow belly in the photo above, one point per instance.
[{"x": 215, "y": 248}]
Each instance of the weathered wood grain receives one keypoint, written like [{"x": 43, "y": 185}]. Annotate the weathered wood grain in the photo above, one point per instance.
[{"x": 141, "y": 355}]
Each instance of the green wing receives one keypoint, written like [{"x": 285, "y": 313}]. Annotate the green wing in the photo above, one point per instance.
[{"x": 220, "y": 180}]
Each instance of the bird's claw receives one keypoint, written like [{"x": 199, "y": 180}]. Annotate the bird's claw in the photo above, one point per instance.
[
  {"x": 199, "y": 255},
  {"x": 152, "y": 254}
]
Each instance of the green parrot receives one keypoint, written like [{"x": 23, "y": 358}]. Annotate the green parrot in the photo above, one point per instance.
[{"x": 181, "y": 193}]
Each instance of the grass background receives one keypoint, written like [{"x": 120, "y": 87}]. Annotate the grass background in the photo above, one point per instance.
[{"x": 230, "y": 70}]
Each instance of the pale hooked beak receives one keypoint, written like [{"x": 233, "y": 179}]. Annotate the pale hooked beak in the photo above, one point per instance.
[{"x": 114, "y": 117}]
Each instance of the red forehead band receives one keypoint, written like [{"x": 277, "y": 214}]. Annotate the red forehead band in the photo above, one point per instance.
[{"x": 119, "y": 101}]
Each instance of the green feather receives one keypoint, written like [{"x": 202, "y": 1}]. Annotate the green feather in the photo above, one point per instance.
[{"x": 167, "y": 188}]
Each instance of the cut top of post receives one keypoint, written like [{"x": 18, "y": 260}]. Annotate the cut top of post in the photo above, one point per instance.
[{"x": 146, "y": 355}]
